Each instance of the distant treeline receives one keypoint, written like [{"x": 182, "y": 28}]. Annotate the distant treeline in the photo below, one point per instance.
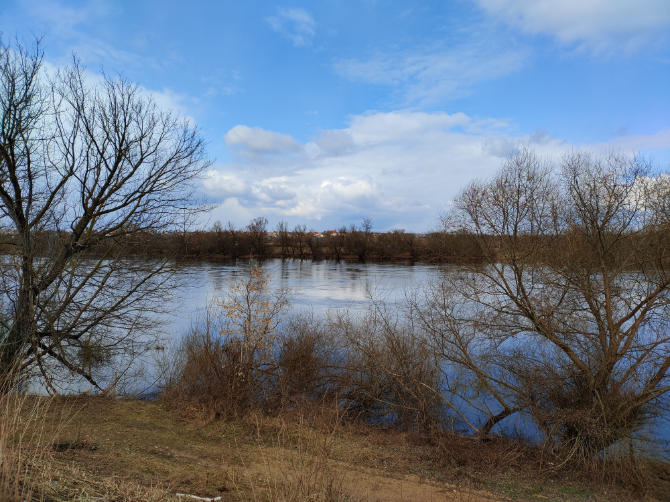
[
  {"x": 356, "y": 242},
  {"x": 346, "y": 243},
  {"x": 257, "y": 240}
]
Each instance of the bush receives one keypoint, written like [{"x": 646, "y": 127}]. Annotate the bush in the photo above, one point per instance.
[
  {"x": 391, "y": 377},
  {"x": 239, "y": 356}
]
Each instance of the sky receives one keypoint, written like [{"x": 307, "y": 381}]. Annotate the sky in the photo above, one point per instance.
[{"x": 325, "y": 113}]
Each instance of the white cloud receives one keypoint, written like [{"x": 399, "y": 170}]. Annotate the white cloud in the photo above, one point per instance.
[
  {"x": 295, "y": 24},
  {"x": 168, "y": 100},
  {"x": 334, "y": 142},
  {"x": 400, "y": 168},
  {"x": 597, "y": 24},
  {"x": 225, "y": 184},
  {"x": 660, "y": 140},
  {"x": 427, "y": 76},
  {"x": 259, "y": 141}
]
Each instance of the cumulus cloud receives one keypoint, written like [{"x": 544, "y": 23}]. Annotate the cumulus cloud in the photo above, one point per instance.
[
  {"x": 596, "y": 24},
  {"x": 428, "y": 75},
  {"x": 225, "y": 184},
  {"x": 400, "y": 168},
  {"x": 274, "y": 192},
  {"x": 335, "y": 142},
  {"x": 295, "y": 24},
  {"x": 259, "y": 141}
]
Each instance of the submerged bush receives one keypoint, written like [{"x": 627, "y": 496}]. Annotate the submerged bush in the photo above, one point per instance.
[{"x": 240, "y": 355}]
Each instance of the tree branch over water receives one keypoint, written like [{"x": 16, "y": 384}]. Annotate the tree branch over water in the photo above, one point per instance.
[
  {"x": 567, "y": 318},
  {"x": 81, "y": 167}
]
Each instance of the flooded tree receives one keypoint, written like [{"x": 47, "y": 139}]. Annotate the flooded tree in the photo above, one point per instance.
[
  {"x": 299, "y": 238},
  {"x": 257, "y": 231},
  {"x": 567, "y": 318},
  {"x": 359, "y": 240},
  {"x": 85, "y": 168},
  {"x": 284, "y": 239}
]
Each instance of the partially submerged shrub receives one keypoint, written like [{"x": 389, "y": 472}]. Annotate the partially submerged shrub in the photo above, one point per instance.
[
  {"x": 217, "y": 376},
  {"x": 211, "y": 378},
  {"x": 308, "y": 363},
  {"x": 391, "y": 376},
  {"x": 241, "y": 356},
  {"x": 222, "y": 364}
]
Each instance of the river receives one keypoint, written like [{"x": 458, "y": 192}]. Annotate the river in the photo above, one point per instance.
[
  {"x": 321, "y": 286},
  {"x": 316, "y": 285}
]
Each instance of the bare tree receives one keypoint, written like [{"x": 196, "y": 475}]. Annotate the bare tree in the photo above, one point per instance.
[
  {"x": 335, "y": 241},
  {"x": 284, "y": 239},
  {"x": 232, "y": 240},
  {"x": 83, "y": 169},
  {"x": 359, "y": 240},
  {"x": 567, "y": 318},
  {"x": 315, "y": 244},
  {"x": 299, "y": 238},
  {"x": 257, "y": 231},
  {"x": 219, "y": 242},
  {"x": 410, "y": 243}
]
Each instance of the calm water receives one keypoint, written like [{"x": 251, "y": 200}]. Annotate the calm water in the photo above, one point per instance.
[
  {"x": 325, "y": 285},
  {"x": 316, "y": 285}
]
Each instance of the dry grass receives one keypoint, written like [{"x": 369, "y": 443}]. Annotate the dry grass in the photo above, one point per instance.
[
  {"x": 24, "y": 446},
  {"x": 115, "y": 450},
  {"x": 73, "y": 482}
]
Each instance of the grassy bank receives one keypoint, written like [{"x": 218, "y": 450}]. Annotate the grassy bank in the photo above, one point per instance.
[{"x": 123, "y": 450}]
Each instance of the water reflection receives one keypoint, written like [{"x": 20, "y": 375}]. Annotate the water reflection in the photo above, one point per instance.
[
  {"x": 316, "y": 285},
  {"x": 325, "y": 285}
]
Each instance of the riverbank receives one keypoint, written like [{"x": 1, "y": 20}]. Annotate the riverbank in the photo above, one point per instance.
[{"x": 110, "y": 449}]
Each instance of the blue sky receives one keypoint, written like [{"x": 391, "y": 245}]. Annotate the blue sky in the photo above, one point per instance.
[{"x": 327, "y": 112}]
